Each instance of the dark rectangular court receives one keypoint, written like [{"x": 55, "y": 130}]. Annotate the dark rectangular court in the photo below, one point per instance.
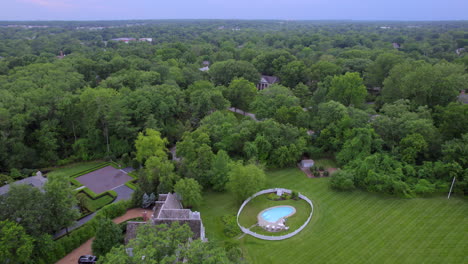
[{"x": 104, "y": 179}]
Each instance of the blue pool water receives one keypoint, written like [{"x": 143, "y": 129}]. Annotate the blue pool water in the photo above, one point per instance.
[{"x": 274, "y": 214}]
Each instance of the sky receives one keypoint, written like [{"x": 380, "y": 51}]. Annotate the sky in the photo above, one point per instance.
[{"x": 234, "y": 9}]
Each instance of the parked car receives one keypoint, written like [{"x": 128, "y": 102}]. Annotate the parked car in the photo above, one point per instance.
[{"x": 87, "y": 259}]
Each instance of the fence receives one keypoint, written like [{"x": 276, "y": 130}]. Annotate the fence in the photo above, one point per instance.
[{"x": 265, "y": 237}]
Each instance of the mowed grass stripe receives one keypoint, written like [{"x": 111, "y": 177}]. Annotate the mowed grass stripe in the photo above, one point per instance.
[{"x": 355, "y": 227}]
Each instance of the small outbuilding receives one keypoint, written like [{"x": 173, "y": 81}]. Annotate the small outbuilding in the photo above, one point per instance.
[{"x": 307, "y": 163}]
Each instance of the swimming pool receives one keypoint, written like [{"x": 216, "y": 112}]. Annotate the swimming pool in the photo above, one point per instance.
[{"x": 274, "y": 214}]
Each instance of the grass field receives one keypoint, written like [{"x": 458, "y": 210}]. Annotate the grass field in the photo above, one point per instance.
[
  {"x": 75, "y": 168},
  {"x": 355, "y": 227}
]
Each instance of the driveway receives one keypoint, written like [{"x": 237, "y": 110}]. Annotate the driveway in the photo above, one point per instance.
[{"x": 85, "y": 248}]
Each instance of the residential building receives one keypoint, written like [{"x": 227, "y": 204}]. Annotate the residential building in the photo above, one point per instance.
[
  {"x": 266, "y": 81},
  {"x": 37, "y": 181},
  {"x": 168, "y": 209}
]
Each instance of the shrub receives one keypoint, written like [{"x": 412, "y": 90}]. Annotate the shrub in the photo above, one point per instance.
[
  {"x": 321, "y": 168},
  {"x": 342, "y": 180},
  {"x": 272, "y": 196},
  {"x": 294, "y": 195},
  {"x": 326, "y": 173},
  {"x": 424, "y": 187}
]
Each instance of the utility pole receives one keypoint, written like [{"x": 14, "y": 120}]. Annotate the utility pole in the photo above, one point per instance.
[{"x": 451, "y": 187}]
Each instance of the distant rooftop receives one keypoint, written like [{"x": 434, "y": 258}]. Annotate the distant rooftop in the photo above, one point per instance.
[
  {"x": 35, "y": 181},
  {"x": 463, "y": 97}
]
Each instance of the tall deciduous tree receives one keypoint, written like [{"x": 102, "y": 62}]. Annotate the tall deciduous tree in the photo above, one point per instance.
[
  {"x": 411, "y": 147},
  {"x": 190, "y": 192},
  {"x": 241, "y": 93},
  {"x": 425, "y": 84},
  {"x": 61, "y": 203},
  {"x": 150, "y": 144},
  {"x": 348, "y": 89},
  {"x": 223, "y": 72},
  {"x": 245, "y": 180},
  {"x": 15, "y": 245},
  {"x": 220, "y": 170},
  {"x": 108, "y": 235},
  {"x": 168, "y": 244}
]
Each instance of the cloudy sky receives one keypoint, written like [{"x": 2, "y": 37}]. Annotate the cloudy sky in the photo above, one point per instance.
[{"x": 234, "y": 9}]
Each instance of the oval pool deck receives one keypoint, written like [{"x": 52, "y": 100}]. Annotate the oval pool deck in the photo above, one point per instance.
[{"x": 273, "y": 238}]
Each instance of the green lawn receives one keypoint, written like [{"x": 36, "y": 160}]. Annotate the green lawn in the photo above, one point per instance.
[
  {"x": 75, "y": 168},
  {"x": 355, "y": 227}
]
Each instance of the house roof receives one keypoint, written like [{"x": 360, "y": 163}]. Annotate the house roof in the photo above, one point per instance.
[
  {"x": 269, "y": 79},
  {"x": 34, "y": 181},
  {"x": 204, "y": 69},
  {"x": 463, "y": 98}
]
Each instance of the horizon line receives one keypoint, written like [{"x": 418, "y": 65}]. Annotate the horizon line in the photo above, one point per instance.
[{"x": 236, "y": 19}]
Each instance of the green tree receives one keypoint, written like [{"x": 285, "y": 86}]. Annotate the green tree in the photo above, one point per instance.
[
  {"x": 199, "y": 252},
  {"x": 342, "y": 180},
  {"x": 360, "y": 143},
  {"x": 451, "y": 120},
  {"x": 457, "y": 150},
  {"x": 108, "y": 235},
  {"x": 16, "y": 246},
  {"x": 348, "y": 89},
  {"x": 167, "y": 244},
  {"x": 25, "y": 205},
  {"x": 223, "y": 72},
  {"x": 411, "y": 147},
  {"x": 241, "y": 93},
  {"x": 150, "y": 144},
  {"x": 378, "y": 70},
  {"x": 425, "y": 84},
  {"x": 204, "y": 99},
  {"x": 61, "y": 202},
  {"x": 219, "y": 170},
  {"x": 322, "y": 69},
  {"x": 293, "y": 73},
  {"x": 245, "y": 180},
  {"x": 190, "y": 192},
  {"x": 269, "y": 100},
  {"x": 271, "y": 62}
]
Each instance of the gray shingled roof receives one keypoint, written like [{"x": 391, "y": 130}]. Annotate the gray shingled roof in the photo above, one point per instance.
[
  {"x": 35, "y": 181},
  {"x": 269, "y": 79},
  {"x": 463, "y": 98}
]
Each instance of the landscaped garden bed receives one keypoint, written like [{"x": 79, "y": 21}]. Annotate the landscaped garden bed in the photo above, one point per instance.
[{"x": 90, "y": 203}]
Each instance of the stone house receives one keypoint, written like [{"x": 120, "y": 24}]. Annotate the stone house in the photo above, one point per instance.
[{"x": 168, "y": 209}]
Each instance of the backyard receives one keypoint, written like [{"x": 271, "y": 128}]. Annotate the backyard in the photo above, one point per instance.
[{"x": 354, "y": 227}]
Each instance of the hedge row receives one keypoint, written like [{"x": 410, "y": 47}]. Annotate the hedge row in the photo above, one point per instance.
[
  {"x": 77, "y": 237},
  {"x": 132, "y": 184},
  {"x": 92, "y": 196}
]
